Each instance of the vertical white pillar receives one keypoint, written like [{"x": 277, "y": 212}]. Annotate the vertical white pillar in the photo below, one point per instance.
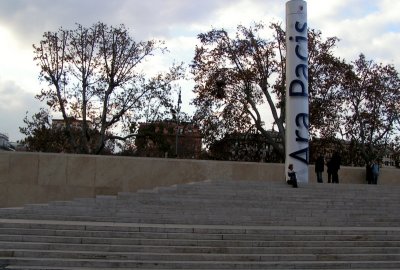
[{"x": 297, "y": 120}]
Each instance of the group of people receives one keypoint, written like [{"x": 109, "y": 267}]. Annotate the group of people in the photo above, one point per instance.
[
  {"x": 333, "y": 167},
  {"x": 372, "y": 172}
]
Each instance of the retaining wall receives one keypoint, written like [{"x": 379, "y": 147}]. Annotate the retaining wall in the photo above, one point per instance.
[{"x": 42, "y": 177}]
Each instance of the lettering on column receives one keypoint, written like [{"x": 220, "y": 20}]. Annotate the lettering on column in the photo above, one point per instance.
[{"x": 298, "y": 89}]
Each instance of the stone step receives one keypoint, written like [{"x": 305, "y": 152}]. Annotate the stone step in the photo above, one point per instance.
[
  {"x": 200, "y": 243},
  {"x": 183, "y": 205},
  {"x": 191, "y": 203},
  {"x": 210, "y": 220},
  {"x": 201, "y": 236},
  {"x": 239, "y": 216},
  {"x": 90, "y": 268},
  {"x": 183, "y": 257},
  {"x": 134, "y": 264},
  {"x": 207, "y": 208},
  {"x": 332, "y": 200},
  {"x": 309, "y": 248}
]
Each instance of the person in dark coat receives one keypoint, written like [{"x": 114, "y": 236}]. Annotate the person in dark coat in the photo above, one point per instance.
[
  {"x": 329, "y": 170},
  {"x": 368, "y": 173},
  {"x": 319, "y": 168},
  {"x": 335, "y": 167}
]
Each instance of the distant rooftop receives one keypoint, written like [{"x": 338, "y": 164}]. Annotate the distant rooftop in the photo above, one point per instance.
[
  {"x": 4, "y": 143},
  {"x": 4, "y": 135}
]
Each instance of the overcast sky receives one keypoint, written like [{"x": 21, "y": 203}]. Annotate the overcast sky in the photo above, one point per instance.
[{"x": 371, "y": 27}]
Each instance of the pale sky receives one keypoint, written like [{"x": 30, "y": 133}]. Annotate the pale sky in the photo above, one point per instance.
[{"x": 371, "y": 27}]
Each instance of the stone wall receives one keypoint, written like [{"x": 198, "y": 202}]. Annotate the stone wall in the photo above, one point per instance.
[{"x": 41, "y": 177}]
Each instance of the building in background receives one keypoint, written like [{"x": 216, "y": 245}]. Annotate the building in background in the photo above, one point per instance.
[
  {"x": 250, "y": 146},
  {"x": 75, "y": 123},
  {"x": 5, "y": 145},
  {"x": 168, "y": 139},
  {"x": 390, "y": 159}
]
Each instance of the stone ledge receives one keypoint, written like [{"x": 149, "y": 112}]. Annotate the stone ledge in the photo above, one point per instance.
[{"x": 67, "y": 176}]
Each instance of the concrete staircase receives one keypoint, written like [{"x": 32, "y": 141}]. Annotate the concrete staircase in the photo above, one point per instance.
[{"x": 210, "y": 225}]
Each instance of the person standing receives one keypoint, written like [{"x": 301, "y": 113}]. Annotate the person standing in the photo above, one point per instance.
[
  {"x": 375, "y": 172},
  {"x": 329, "y": 170},
  {"x": 368, "y": 173},
  {"x": 335, "y": 164},
  {"x": 319, "y": 168}
]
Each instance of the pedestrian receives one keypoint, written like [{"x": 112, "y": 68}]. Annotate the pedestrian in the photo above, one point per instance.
[
  {"x": 291, "y": 177},
  {"x": 368, "y": 173},
  {"x": 335, "y": 167},
  {"x": 329, "y": 170},
  {"x": 375, "y": 172},
  {"x": 319, "y": 168}
]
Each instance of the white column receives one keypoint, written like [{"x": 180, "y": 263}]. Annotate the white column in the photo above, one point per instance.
[{"x": 297, "y": 120}]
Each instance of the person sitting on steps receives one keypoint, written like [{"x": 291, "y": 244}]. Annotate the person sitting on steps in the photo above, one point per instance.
[{"x": 291, "y": 177}]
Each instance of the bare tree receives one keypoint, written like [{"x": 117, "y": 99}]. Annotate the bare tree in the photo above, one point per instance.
[
  {"x": 233, "y": 78},
  {"x": 371, "y": 97},
  {"x": 94, "y": 75}
]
